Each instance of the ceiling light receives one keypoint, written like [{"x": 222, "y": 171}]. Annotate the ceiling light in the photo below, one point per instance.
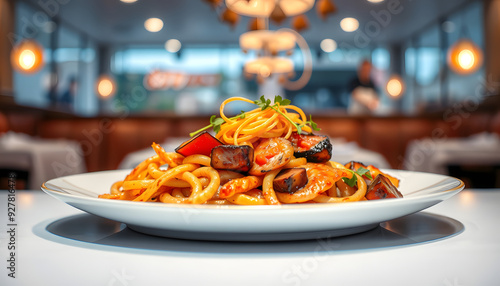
[
  {"x": 251, "y": 8},
  {"x": 128, "y": 1},
  {"x": 264, "y": 66},
  {"x": 395, "y": 86},
  {"x": 272, "y": 41},
  {"x": 264, "y": 8},
  {"x": 106, "y": 86},
  {"x": 153, "y": 24},
  {"x": 375, "y": 1},
  {"x": 349, "y": 24},
  {"x": 173, "y": 45},
  {"x": 465, "y": 57},
  {"x": 325, "y": 8},
  {"x": 296, "y": 7},
  {"x": 328, "y": 45},
  {"x": 268, "y": 44},
  {"x": 27, "y": 56}
]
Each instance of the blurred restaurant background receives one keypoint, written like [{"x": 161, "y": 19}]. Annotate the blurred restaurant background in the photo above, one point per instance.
[{"x": 88, "y": 85}]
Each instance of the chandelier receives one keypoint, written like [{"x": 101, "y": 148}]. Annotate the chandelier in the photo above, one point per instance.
[
  {"x": 275, "y": 10},
  {"x": 272, "y": 47}
]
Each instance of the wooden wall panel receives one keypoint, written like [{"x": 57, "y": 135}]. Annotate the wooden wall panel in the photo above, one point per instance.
[{"x": 6, "y": 31}]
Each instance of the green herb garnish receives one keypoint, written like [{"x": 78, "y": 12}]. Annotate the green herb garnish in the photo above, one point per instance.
[
  {"x": 313, "y": 124},
  {"x": 353, "y": 180},
  {"x": 263, "y": 103}
]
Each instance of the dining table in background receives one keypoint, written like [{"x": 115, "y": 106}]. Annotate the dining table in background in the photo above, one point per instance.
[
  {"x": 455, "y": 242},
  {"x": 435, "y": 155},
  {"x": 41, "y": 159}
]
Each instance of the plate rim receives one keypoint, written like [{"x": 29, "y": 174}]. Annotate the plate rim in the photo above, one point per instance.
[
  {"x": 214, "y": 222},
  {"x": 56, "y": 193}
]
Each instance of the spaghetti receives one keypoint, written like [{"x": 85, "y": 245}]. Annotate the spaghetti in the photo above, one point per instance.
[{"x": 268, "y": 130}]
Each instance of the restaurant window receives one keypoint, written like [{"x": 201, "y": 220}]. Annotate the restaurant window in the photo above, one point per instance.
[
  {"x": 410, "y": 65},
  {"x": 327, "y": 88},
  {"x": 203, "y": 75},
  {"x": 66, "y": 80},
  {"x": 381, "y": 59},
  {"x": 427, "y": 74},
  {"x": 431, "y": 84},
  {"x": 466, "y": 23},
  {"x": 190, "y": 60},
  {"x": 31, "y": 89}
]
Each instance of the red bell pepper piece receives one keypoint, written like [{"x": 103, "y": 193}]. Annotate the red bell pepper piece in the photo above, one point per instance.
[{"x": 201, "y": 144}]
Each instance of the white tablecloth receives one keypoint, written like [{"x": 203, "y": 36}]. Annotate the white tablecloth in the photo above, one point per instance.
[
  {"x": 343, "y": 152},
  {"x": 453, "y": 243},
  {"x": 43, "y": 159},
  {"x": 435, "y": 155}
]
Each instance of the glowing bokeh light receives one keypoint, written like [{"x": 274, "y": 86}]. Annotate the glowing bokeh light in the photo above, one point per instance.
[
  {"x": 265, "y": 71},
  {"x": 328, "y": 45},
  {"x": 349, "y": 24},
  {"x": 466, "y": 59},
  {"x": 27, "y": 56},
  {"x": 395, "y": 86},
  {"x": 106, "y": 86},
  {"x": 173, "y": 45},
  {"x": 153, "y": 25},
  {"x": 27, "y": 59}
]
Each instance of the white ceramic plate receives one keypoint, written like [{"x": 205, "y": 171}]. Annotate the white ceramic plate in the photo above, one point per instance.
[{"x": 251, "y": 223}]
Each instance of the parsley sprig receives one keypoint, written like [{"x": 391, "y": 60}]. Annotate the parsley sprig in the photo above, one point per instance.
[
  {"x": 354, "y": 179},
  {"x": 263, "y": 103}
]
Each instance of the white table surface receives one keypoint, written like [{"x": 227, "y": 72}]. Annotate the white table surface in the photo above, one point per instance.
[{"x": 60, "y": 245}]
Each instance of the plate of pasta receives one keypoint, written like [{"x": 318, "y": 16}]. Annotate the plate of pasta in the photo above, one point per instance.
[{"x": 263, "y": 175}]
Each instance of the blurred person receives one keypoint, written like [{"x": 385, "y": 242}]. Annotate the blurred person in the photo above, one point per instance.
[
  {"x": 52, "y": 94},
  {"x": 68, "y": 97},
  {"x": 364, "y": 95}
]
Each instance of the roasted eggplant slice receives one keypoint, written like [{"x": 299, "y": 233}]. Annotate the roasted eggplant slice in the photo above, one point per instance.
[
  {"x": 290, "y": 180},
  {"x": 382, "y": 188},
  {"x": 315, "y": 148},
  {"x": 201, "y": 144},
  {"x": 374, "y": 171},
  {"x": 232, "y": 158}
]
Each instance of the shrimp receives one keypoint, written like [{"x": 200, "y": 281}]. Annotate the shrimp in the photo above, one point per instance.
[
  {"x": 240, "y": 185},
  {"x": 321, "y": 178},
  {"x": 271, "y": 154}
]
